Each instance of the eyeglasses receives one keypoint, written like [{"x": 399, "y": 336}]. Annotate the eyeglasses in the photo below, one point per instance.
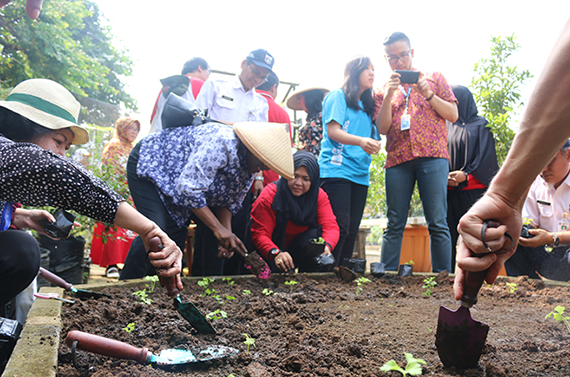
[
  {"x": 258, "y": 74},
  {"x": 403, "y": 57},
  {"x": 133, "y": 128}
]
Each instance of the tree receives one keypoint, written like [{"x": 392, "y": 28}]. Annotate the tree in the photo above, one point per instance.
[
  {"x": 496, "y": 89},
  {"x": 67, "y": 44}
]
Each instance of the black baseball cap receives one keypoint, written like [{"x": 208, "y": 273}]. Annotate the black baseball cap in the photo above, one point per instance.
[{"x": 261, "y": 58}]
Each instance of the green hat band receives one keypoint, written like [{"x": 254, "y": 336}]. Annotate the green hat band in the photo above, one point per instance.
[{"x": 42, "y": 105}]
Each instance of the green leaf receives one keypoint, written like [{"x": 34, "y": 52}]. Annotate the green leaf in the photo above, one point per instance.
[{"x": 391, "y": 365}]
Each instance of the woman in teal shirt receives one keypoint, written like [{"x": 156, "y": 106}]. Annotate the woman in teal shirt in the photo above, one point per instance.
[{"x": 349, "y": 138}]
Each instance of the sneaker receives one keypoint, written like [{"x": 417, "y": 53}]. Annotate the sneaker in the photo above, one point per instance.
[{"x": 112, "y": 272}]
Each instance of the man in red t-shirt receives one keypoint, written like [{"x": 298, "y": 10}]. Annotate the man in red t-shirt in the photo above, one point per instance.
[
  {"x": 198, "y": 71},
  {"x": 275, "y": 114}
]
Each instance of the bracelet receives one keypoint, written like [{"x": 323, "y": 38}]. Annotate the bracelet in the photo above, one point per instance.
[
  {"x": 430, "y": 97},
  {"x": 259, "y": 179}
]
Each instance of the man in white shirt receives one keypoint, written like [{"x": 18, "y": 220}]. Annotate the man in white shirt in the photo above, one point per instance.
[
  {"x": 236, "y": 100},
  {"x": 547, "y": 207}
]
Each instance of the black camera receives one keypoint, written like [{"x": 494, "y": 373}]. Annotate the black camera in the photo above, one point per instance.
[
  {"x": 525, "y": 231},
  {"x": 62, "y": 225}
]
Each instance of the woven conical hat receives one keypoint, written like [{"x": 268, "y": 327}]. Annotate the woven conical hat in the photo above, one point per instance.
[
  {"x": 270, "y": 142},
  {"x": 48, "y": 104}
]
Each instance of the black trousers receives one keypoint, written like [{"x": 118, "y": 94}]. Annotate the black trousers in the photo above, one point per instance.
[
  {"x": 458, "y": 203},
  {"x": 532, "y": 260},
  {"x": 298, "y": 248},
  {"x": 148, "y": 202},
  {"x": 19, "y": 263},
  {"x": 348, "y": 200}
]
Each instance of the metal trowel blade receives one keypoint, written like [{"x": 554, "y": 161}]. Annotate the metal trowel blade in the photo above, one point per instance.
[
  {"x": 193, "y": 315},
  {"x": 459, "y": 339}
]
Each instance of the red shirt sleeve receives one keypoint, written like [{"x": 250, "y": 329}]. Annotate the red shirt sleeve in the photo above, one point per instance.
[
  {"x": 196, "y": 86},
  {"x": 327, "y": 220},
  {"x": 263, "y": 221}
]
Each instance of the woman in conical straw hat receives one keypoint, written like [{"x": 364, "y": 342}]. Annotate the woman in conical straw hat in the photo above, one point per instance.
[
  {"x": 201, "y": 173},
  {"x": 38, "y": 123}
]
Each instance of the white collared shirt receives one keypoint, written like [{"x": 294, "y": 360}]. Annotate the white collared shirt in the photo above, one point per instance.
[
  {"x": 545, "y": 205},
  {"x": 227, "y": 101}
]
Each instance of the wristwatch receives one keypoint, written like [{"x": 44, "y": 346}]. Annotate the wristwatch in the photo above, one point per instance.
[
  {"x": 274, "y": 252},
  {"x": 556, "y": 240}
]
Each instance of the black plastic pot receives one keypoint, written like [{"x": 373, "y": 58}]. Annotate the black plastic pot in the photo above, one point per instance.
[
  {"x": 377, "y": 269},
  {"x": 355, "y": 264},
  {"x": 405, "y": 270},
  {"x": 315, "y": 249},
  {"x": 324, "y": 263}
]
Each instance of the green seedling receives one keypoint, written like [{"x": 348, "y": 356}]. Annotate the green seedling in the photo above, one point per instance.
[
  {"x": 143, "y": 296},
  {"x": 205, "y": 282},
  {"x": 152, "y": 285},
  {"x": 267, "y": 291},
  {"x": 246, "y": 292},
  {"x": 413, "y": 366},
  {"x": 228, "y": 298},
  {"x": 360, "y": 283},
  {"x": 319, "y": 240},
  {"x": 291, "y": 284},
  {"x": 429, "y": 284},
  {"x": 217, "y": 314},
  {"x": 130, "y": 327},
  {"x": 229, "y": 281},
  {"x": 512, "y": 287},
  {"x": 410, "y": 262},
  {"x": 210, "y": 293},
  {"x": 248, "y": 342},
  {"x": 558, "y": 314}
]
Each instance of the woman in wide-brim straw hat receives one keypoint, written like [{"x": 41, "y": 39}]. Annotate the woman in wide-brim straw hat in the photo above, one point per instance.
[
  {"x": 202, "y": 173},
  {"x": 38, "y": 123},
  {"x": 310, "y": 100}
]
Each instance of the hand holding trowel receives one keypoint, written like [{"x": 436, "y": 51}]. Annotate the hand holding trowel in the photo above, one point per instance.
[
  {"x": 187, "y": 310},
  {"x": 460, "y": 339}
]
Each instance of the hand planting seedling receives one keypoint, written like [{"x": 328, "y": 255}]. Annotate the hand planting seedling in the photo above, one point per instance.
[
  {"x": 217, "y": 314},
  {"x": 143, "y": 296},
  {"x": 558, "y": 314},
  {"x": 429, "y": 284},
  {"x": 130, "y": 327},
  {"x": 291, "y": 284},
  {"x": 246, "y": 292},
  {"x": 228, "y": 281},
  {"x": 512, "y": 287},
  {"x": 248, "y": 342},
  {"x": 152, "y": 280},
  {"x": 267, "y": 292},
  {"x": 360, "y": 283},
  {"x": 413, "y": 367}
]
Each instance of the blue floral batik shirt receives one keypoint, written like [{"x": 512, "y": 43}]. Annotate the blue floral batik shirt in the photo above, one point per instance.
[{"x": 195, "y": 167}]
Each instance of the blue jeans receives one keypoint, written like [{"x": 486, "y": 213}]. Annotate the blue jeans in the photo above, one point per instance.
[{"x": 431, "y": 175}]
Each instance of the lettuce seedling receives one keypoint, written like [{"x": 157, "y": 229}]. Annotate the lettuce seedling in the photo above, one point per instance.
[
  {"x": 246, "y": 292},
  {"x": 205, "y": 282},
  {"x": 228, "y": 298},
  {"x": 267, "y": 291},
  {"x": 558, "y": 314},
  {"x": 248, "y": 342},
  {"x": 228, "y": 281},
  {"x": 143, "y": 296},
  {"x": 413, "y": 367},
  {"x": 360, "y": 283},
  {"x": 216, "y": 314},
  {"x": 130, "y": 327},
  {"x": 152, "y": 280},
  {"x": 429, "y": 284},
  {"x": 512, "y": 287},
  {"x": 291, "y": 284}
]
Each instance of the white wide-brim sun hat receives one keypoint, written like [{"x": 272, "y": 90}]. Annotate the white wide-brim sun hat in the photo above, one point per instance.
[
  {"x": 48, "y": 104},
  {"x": 270, "y": 143}
]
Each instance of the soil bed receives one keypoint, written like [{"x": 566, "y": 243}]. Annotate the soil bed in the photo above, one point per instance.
[{"x": 322, "y": 328}]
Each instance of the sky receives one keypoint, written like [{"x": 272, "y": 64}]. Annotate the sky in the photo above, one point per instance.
[{"x": 312, "y": 40}]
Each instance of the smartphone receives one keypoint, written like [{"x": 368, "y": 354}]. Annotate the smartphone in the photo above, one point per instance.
[{"x": 408, "y": 77}]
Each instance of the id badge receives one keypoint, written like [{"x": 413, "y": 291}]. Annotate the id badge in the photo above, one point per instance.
[{"x": 405, "y": 122}]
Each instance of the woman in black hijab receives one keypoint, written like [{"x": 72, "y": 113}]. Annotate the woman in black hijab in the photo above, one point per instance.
[
  {"x": 472, "y": 160},
  {"x": 287, "y": 214}
]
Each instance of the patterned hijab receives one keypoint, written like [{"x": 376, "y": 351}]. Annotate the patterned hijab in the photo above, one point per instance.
[{"x": 119, "y": 147}]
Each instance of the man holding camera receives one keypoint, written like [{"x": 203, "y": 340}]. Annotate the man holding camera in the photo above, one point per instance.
[
  {"x": 547, "y": 206},
  {"x": 412, "y": 115}
]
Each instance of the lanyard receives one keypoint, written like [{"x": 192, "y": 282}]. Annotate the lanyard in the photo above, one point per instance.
[
  {"x": 406, "y": 96},
  {"x": 6, "y": 216}
]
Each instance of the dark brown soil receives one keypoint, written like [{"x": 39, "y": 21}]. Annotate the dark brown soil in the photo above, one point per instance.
[{"x": 322, "y": 328}]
